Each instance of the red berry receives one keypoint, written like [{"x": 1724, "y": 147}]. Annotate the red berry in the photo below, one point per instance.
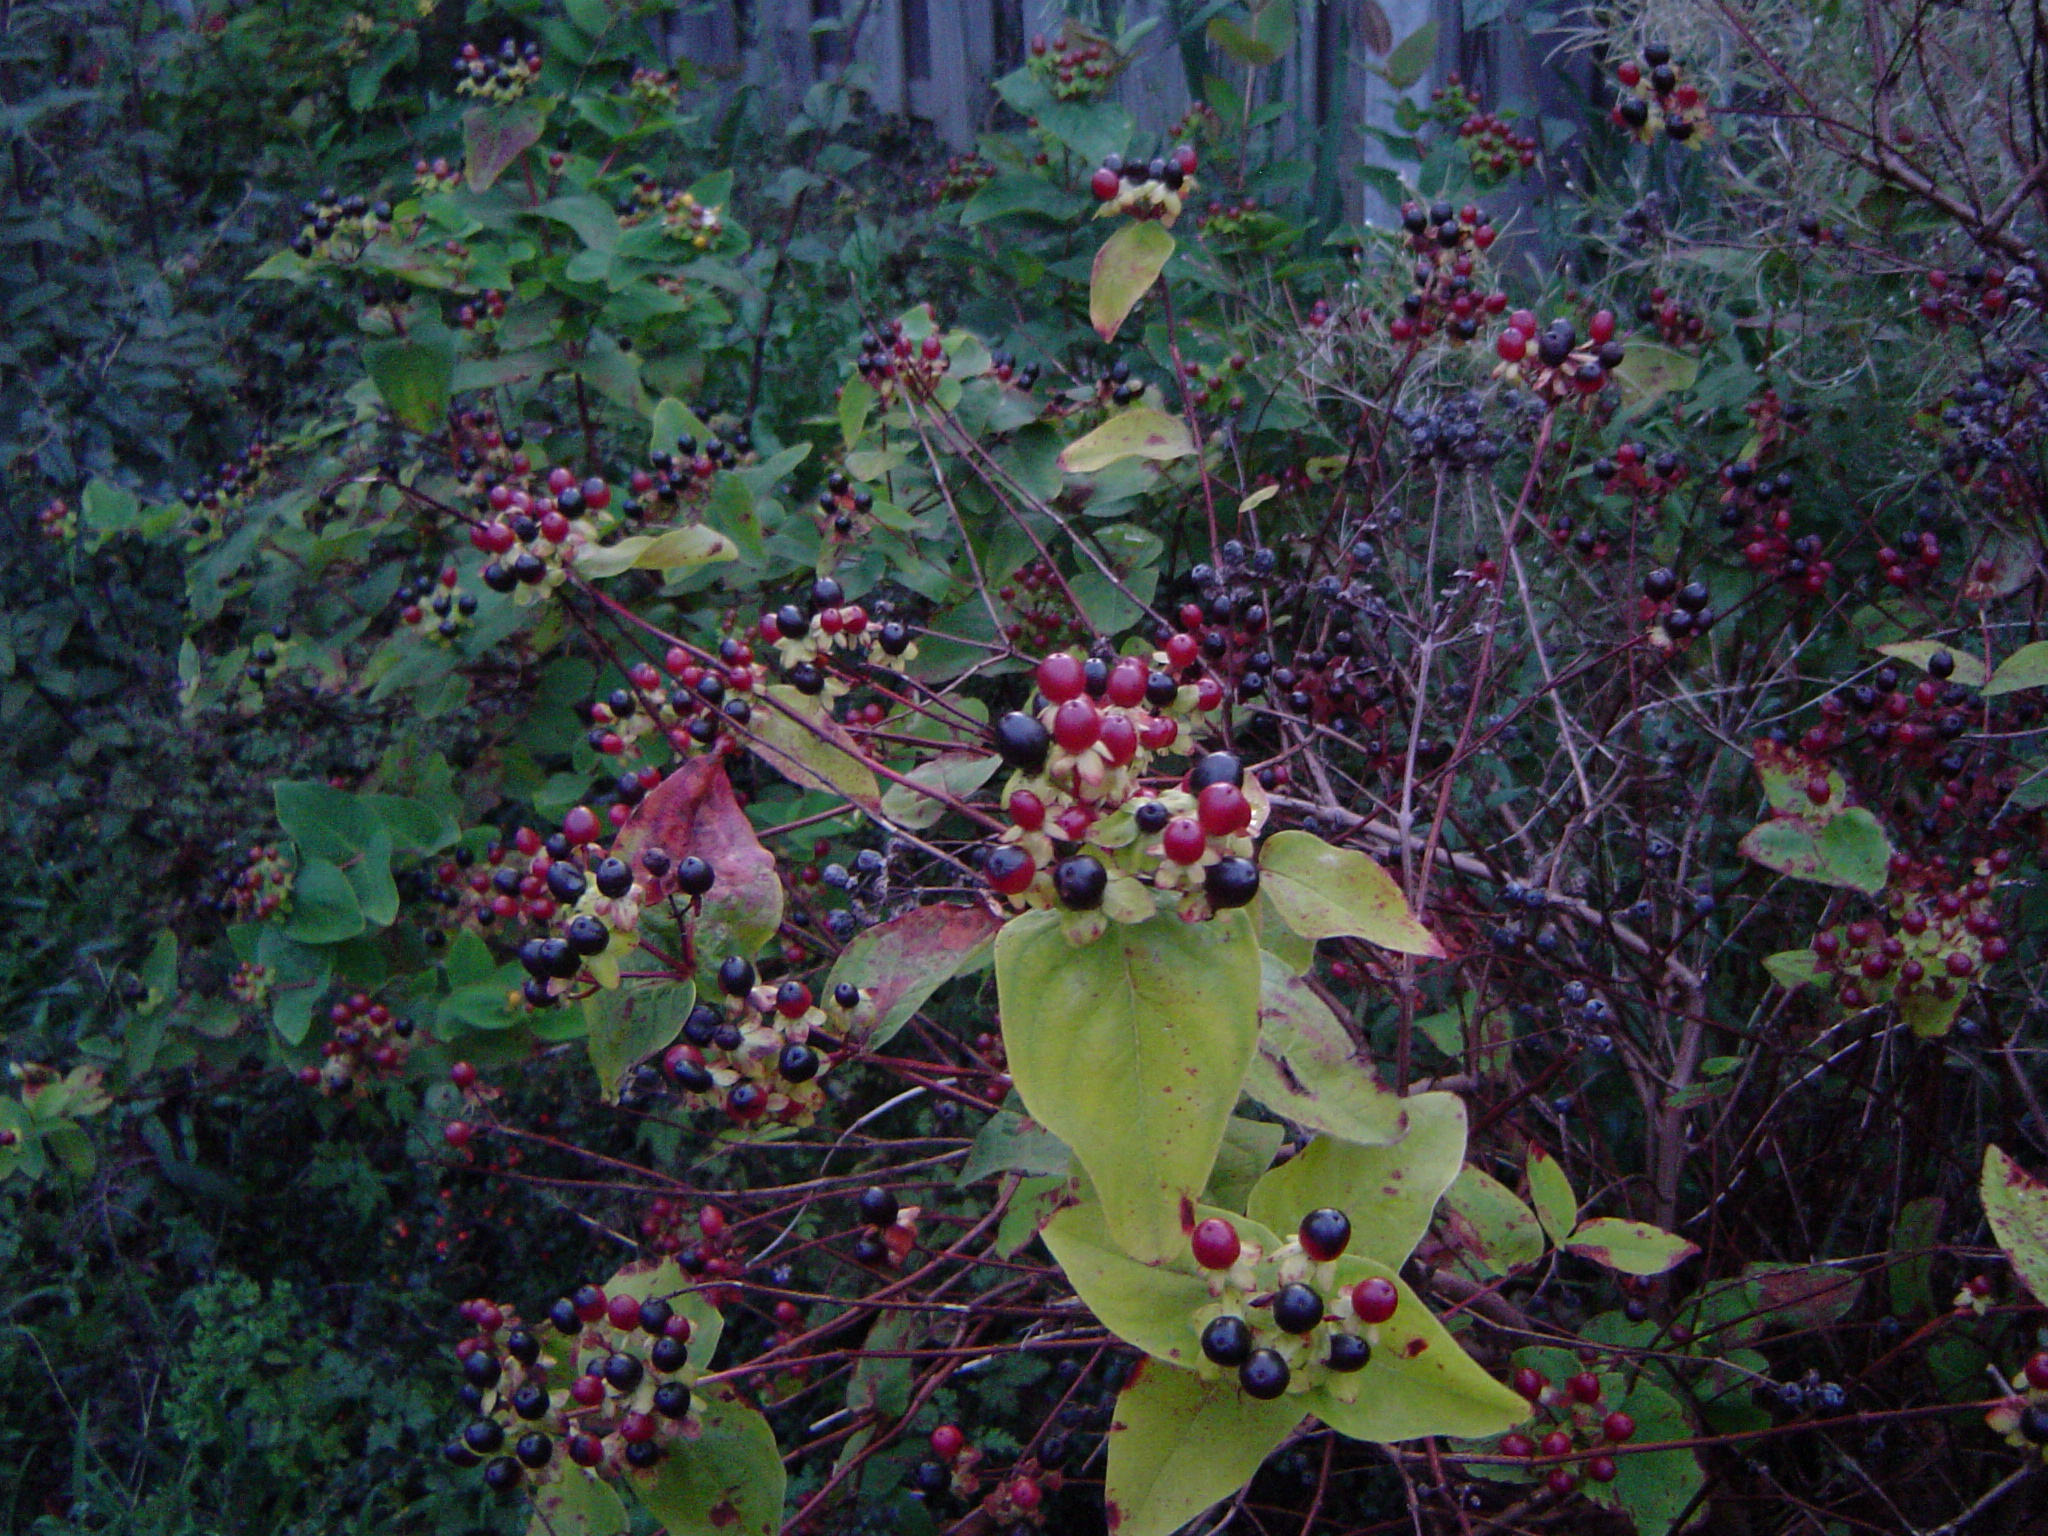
[
  {"x": 1629, "y": 74},
  {"x": 580, "y": 825},
  {"x": 1557, "y": 1443},
  {"x": 1024, "y": 1493},
  {"x": 1528, "y": 1382},
  {"x": 1077, "y": 725},
  {"x": 1223, "y": 810},
  {"x": 1958, "y": 963},
  {"x": 1010, "y": 870},
  {"x": 457, "y": 1133},
  {"x": 1601, "y": 327},
  {"x": 1104, "y": 184},
  {"x": 2037, "y": 1371},
  {"x": 623, "y": 1312},
  {"x": 1618, "y": 1427},
  {"x": 1374, "y": 1300},
  {"x": 1517, "y": 1445},
  {"x": 1060, "y": 678},
  {"x": 1184, "y": 157},
  {"x": 1560, "y": 1482},
  {"x": 1584, "y": 1387},
  {"x": 948, "y": 1442},
  {"x": 1127, "y": 683},
  {"x": 1119, "y": 739},
  {"x": 1818, "y": 789},
  {"x": 1180, "y": 651},
  {"x": 635, "y": 1428},
  {"x": 1184, "y": 842},
  {"x": 1601, "y": 1469},
  {"x": 462, "y": 1075},
  {"x": 1524, "y": 320},
  {"x": 1215, "y": 1243},
  {"x": 587, "y": 1390},
  {"x": 1512, "y": 345},
  {"x": 1027, "y": 810}
]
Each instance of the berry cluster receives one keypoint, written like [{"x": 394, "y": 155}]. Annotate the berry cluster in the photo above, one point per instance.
[
  {"x": 1450, "y": 433},
  {"x": 623, "y": 1401},
  {"x": 1992, "y": 425},
  {"x": 1241, "y": 225},
  {"x": 1677, "y": 323},
  {"x": 486, "y": 313},
  {"x": 1984, "y": 295},
  {"x": 339, "y": 228},
  {"x": 1679, "y": 610},
  {"x": 961, "y": 178},
  {"x": 888, "y": 1229},
  {"x": 436, "y": 175},
  {"x": 1581, "y": 1429},
  {"x": 1217, "y": 387},
  {"x": 369, "y": 1044},
  {"x": 1087, "y": 833},
  {"x": 1004, "y": 366},
  {"x": 250, "y": 982},
  {"x": 1282, "y": 1320},
  {"x": 1926, "y": 720},
  {"x": 499, "y": 77},
  {"x": 533, "y": 532},
  {"x": 1076, "y": 65},
  {"x": 436, "y": 609},
  {"x": 1656, "y": 98},
  {"x": 657, "y": 89},
  {"x": 889, "y": 359},
  {"x": 267, "y": 657},
  {"x": 1145, "y": 189},
  {"x": 57, "y": 519},
  {"x": 1552, "y": 362},
  {"x": 1940, "y": 937},
  {"x": 1496, "y": 151},
  {"x": 226, "y": 489},
  {"x": 824, "y": 646},
  {"x": 257, "y": 886},
  {"x": 760, "y": 1056},
  {"x": 1044, "y": 620},
  {"x": 1634, "y": 471},
  {"x": 697, "y": 224},
  {"x": 1446, "y": 244},
  {"x": 2022, "y": 1419}
]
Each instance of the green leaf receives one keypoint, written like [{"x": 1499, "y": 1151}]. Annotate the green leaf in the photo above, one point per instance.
[
  {"x": 1411, "y": 58},
  {"x": 493, "y": 138},
  {"x": 1650, "y": 372},
  {"x": 2016, "y": 1204},
  {"x": 159, "y": 974},
  {"x": 1632, "y": 1247},
  {"x": 1323, "y": 892},
  {"x": 1149, "y": 1306},
  {"x": 2026, "y": 667},
  {"x": 1848, "y": 849},
  {"x": 673, "y": 421},
  {"x": 1910, "y": 1276},
  {"x": 856, "y": 400},
  {"x": 1557, "y": 1206},
  {"x": 369, "y": 873},
  {"x": 1793, "y": 968},
  {"x": 1131, "y": 1050},
  {"x": 1008, "y": 1143},
  {"x": 909, "y": 957},
  {"x": 1140, "y": 432},
  {"x": 1654, "y": 1488},
  {"x": 1389, "y": 1192},
  {"x": 679, "y": 549},
  {"x": 326, "y": 823},
  {"x": 1484, "y": 1221},
  {"x": 108, "y": 509},
  {"x": 1178, "y": 1443},
  {"x": 1968, "y": 670},
  {"x": 324, "y": 905},
  {"x": 629, "y": 1024},
  {"x": 958, "y": 774},
  {"x": 413, "y": 375},
  {"x": 1127, "y": 265},
  {"x": 577, "y": 1504},
  {"x": 725, "y": 1480},
  {"x": 1419, "y": 1381},
  {"x": 1307, "y": 1068},
  {"x": 802, "y": 742},
  {"x": 593, "y": 18},
  {"x": 1014, "y": 194},
  {"x": 1247, "y": 1152}
]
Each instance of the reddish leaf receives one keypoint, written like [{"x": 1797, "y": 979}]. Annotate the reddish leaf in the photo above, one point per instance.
[
  {"x": 693, "y": 811},
  {"x": 907, "y": 958},
  {"x": 493, "y": 139}
]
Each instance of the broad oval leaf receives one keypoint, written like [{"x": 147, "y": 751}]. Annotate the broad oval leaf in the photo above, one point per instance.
[
  {"x": 1419, "y": 1381},
  {"x": 693, "y": 811},
  {"x": 577, "y": 1504},
  {"x": 1485, "y": 1223},
  {"x": 493, "y": 138},
  {"x": 2026, "y": 667},
  {"x": 1632, "y": 1247},
  {"x": 1324, "y": 892},
  {"x": 1307, "y": 1069},
  {"x": 1389, "y": 1192},
  {"x": 1179, "y": 1443},
  {"x": 1127, "y": 265},
  {"x": 1649, "y": 372},
  {"x": 1149, "y": 1306},
  {"x": 723, "y": 1477},
  {"x": 1131, "y": 1050},
  {"x": 678, "y": 549},
  {"x": 953, "y": 774},
  {"x": 1550, "y": 1191},
  {"x": 804, "y": 744},
  {"x": 629, "y": 1024},
  {"x": 2016, "y": 1204},
  {"x": 909, "y": 957},
  {"x": 1969, "y": 671},
  {"x": 413, "y": 376},
  {"x": 324, "y": 905},
  {"x": 1140, "y": 432}
]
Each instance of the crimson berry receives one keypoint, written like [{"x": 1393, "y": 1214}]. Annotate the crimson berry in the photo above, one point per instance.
[
  {"x": 587, "y": 1391},
  {"x": 1584, "y": 1387},
  {"x": 457, "y": 1133},
  {"x": 1024, "y": 1493},
  {"x": 1076, "y": 725},
  {"x": 1601, "y": 1469},
  {"x": 1374, "y": 1300},
  {"x": 948, "y": 1442},
  {"x": 1517, "y": 1445},
  {"x": 1009, "y": 869},
  {"x": 1223, "y": 810},
  {"x": 1216, "y": 1244},
  {"x": 586, "y": 1450},
  {"x": 1557, "y": 1443},
  {"x": 792, "y": 998},
  {"x": 2036, "y": 1371},
  {"x": 1184, "y": 841},
  {"x": 637, "y": 1428},
  {"x": 1119, "y": 739},
  {"x": 1511, "y": 345},
  {"x": 1060, "y": 678},
  {"x": 623, "y": 1312},
  {"x": 581, "y": 825},
  {"x": 1560, "y": 1482},
  {"x": 1104, "y": 184},
  {"x": 1528, "y": 1382},
  {"x": 1618, "y": 1427},
  {"x": 1127, "y": 683},
  {"x": 1601, "y": 327},
  {"x": 1180, "y": 651},
  {"x": 1027, "y": 810}
]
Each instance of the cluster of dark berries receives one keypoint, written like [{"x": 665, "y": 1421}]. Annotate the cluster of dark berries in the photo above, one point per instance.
[
  {"x": 826, "y": 644},
  {"x": 337, "y": 227},
  {"x": 256, "y": 886},
  {"x": 1680, "y": 609},
  {"x": 226, "y": 489},
  {"x": 1978, "y": 295},
  {"x": 843, "y": 505},
  {"x": 1552, "y": 362},
  {"x": 1634, "y": 471},
  {"x": 1146, "y": 189},
  {"x": 436, "y": 608},
  {"x": 1992, "y": 428},
  {"x": 890, "y": 360},
  {"x": 1940, "y": 936},
  {"x": 1004, "y": 366},
  {"x": 2022, "y": 1419},
  {"x": 760, "y": 1055},
  {"x": 1450, "y": 433},
  {"x": 487, "y": 311},
  {"x": 1581, "y": 1432},
  {"x": 369, "y": 1044},
  {"x": 1677, "y": 323},
  {"x": 697, "y": 224},
  {"x": 1445, "y": 244},
  {"x": 960, "y": 178},
  {"x": 673, "y": 482},
  {"x": 1655, "y": 97},
  {"x": 1283, "y": 1318},
  {"x": 499, "y": 77}
]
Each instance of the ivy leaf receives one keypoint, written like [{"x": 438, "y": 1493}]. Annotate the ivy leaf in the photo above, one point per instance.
[
  {"x": 1149, "y": 1306},
  {"x": 722, "y": 1477},
  {"x": 1307, "y": 1069},
  {"x": 630, "y": 1024},
  {"x": 1632, "y": 1247},
  {"x": 1486, "y": 1223},
  {"x": 2016, "y": 1204},
  {"x": 693, "y": 811},
  {"x": 1140, "y": 432},
  {"x": 1322, "y": 892},
  {"x": 413, "y": 375},
  {"x": 2026, "y": 667},
  {"x": 492, "y": 139},
  {"x": 1131, "y": 1050},
  {"x": 1418, "y": 1382},
  {"x": 1127, "y": 265},
  {"x": 1557, "y": 1207},
  {"x": 1389, "y": 1192},
  {"x": 324, "y": 905},
  {"x": 1178, "y": 1443},
  {"x": 577, "y": 1504},
  {"x": 803, "y": 743},
  {"x": 909, "y": 957}
]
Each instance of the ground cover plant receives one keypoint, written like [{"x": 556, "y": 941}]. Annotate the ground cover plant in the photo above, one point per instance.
[{"x": 740, "y": 828}]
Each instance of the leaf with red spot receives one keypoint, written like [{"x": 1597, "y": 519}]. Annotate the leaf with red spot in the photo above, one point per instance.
[
  {"x": 2017, "y": 1205},
  {"x": 492, "y": 139},
  {"x": 578, "y": 1504},
  {"x": 693, "y": 812},
  {"x": 722, "y": 1477},
  {"x": 1632, "y": 1247},
  {"x": 906, "y": 959}
]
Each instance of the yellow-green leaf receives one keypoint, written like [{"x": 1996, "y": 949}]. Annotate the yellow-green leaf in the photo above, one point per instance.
[
  {"x": 1127, "y": 265},
  {"x": 1969, "y": 671},
  {"x": 1650, "y": 372},
  {"x": 726, "y": 1479},
  {"x": 1308, "y": 1069},
  {"x": 2016, "y": 1204},
  {"x": 1179, "y": 1443},
  {"x": 493, "y": 138},
  {"x": 1632, "y": 1247},
  {"x": 577, "y": 1504},
  {"x": 1131, "y": 1050},
  {"x": 1324, "y": 892},
  {"x": 1149, "y": 1306},
  {"x": 678, "y": 549},
  {"x": 1140, "y": 432},
  {"x": 1557, "y": 1207},
  {"x": 2026, "y": 667},
  {"x": 809, "y": 748},
  {"x": 1389, "y": 1192},
  {"x": 1485, "y": 1222},
  {"x": 628, "y": 1025}
]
